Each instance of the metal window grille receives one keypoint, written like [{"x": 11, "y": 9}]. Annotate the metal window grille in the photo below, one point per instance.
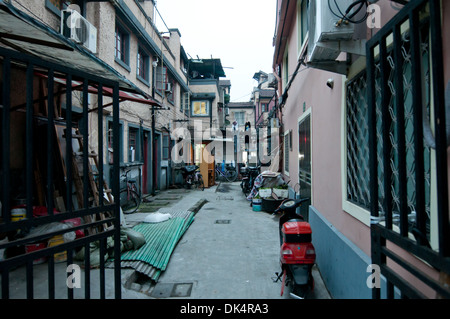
[
  {"x": 357, "y": 142},
  {"x": 286, "y": 152}
]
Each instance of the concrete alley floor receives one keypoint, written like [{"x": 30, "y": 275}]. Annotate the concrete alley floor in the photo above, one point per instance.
[{"x": 229, "y": 251}]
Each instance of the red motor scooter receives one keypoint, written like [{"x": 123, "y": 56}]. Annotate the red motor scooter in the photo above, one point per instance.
[{"x": 297, "y": 253}]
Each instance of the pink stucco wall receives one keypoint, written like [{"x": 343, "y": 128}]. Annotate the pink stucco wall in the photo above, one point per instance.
[
  {"x": 325, "y": 104},
  {"x": 326, "y": 107},
  {"x": 309, "y": 88}
]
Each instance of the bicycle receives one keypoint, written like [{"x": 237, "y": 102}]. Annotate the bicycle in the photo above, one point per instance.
[
  {"x": 198, "y": 181},
  {"x": 229, "y": 174},
  {"x": 193, "y": 177},
  {"x": 130, "y": 199},
  {"x": 249, "y": 174}
]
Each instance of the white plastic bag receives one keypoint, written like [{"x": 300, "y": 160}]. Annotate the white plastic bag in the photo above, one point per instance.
[
  {"x": 156, "y": 217},
  {"x": 52, "y": 227}
]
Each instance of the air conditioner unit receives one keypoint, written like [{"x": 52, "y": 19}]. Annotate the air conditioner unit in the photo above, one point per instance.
[
  {"x": 272, "y": 80},
  {"x": 168, "y": 87},
  {"x": 325, "y": 30},
  {"x": 227, "y": 111},
  {"x": 74, "y": 26}
]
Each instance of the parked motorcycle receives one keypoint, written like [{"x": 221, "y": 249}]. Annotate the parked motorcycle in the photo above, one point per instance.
[
  {"x": 192, "y": 176},
  {"x": 249, "y": 175},
  {"x": 297, "y": 253}
]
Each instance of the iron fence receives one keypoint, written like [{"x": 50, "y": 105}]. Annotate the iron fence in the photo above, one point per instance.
[
  {"x": 52, "y": 162},
  {"x": 405, "y": 88}
]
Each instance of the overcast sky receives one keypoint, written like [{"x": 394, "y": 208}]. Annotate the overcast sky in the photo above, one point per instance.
[{"x": 238, "y": 32}]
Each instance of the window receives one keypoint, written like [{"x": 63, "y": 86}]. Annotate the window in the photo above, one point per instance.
[
  {"x": 240, "y": 118},
  {"x": 358, "y": 181},
  {"x": 142, "y": 71},
  {"x": 304, "y": 149},
  {"x": 264, "y": 107},
  {"x": 184, "y": 103},
  {"x": 166, "y": 146},
  {"x": 286, "y": 67},
  {"x": 122, "y": 47},
  {"x": 200, "y": 108},
  {"x": 161, "y": 78},
  {"x": 165, "y": 84},
  {"x": 357, "y": 142},
  {"x": 286, "y": 152},
  {"x": 302, "y": 22},
  {"x": 133, "y": 145},
  {"x": 110, "y": 150}
]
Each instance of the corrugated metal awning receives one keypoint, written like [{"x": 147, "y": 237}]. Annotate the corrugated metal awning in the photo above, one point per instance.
[
  {"x": 123, "y": 95},
  {"x": 25, "y": 34}
]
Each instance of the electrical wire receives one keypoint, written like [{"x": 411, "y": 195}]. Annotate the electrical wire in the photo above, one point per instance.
[{"x": 347, "y": 16}]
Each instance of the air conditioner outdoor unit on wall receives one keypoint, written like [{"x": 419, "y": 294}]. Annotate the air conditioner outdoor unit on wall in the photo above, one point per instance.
[
  {"x": 168, "y": 87},
  {"x": 80, "y": 30},
  {"x": 323, "y": 29}
]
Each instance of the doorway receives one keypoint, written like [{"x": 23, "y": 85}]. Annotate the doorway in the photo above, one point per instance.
[
  {"x": 145, "y": 166},
  {"x": 304, "y": 161}
]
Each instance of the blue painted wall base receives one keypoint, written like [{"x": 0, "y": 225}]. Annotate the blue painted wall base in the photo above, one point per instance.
[{"x": 342, "y": 264}]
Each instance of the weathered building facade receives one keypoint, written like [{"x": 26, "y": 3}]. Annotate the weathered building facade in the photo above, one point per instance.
[{"x": 91, "y": 92}]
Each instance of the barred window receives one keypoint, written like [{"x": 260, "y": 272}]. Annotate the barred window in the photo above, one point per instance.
[
  {"x": 358, "y": 142},
  {"x": 286, "y": 153},
  {"x": 358, "y": 177}
]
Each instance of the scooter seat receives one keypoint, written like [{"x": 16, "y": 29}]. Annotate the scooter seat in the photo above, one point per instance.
[{"x": 190, "y": 168}]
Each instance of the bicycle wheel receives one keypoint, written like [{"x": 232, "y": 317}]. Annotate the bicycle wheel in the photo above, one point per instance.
[
  {"x": 201, "y": 184},
  {"x": 231, "y": 176},
  {"x": 129, "y": 203}
]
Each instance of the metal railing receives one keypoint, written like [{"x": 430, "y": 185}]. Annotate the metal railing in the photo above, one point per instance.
[
  {"x": 405, "y": 82},
  {"x": 60, "y": 172}
]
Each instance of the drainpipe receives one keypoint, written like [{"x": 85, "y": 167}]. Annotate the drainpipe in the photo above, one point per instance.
[{"x": 155, "y": 64}]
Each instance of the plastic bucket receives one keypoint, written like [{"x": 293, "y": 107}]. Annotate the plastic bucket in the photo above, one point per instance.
[
  {"x": 35, "y": 247},
  {"x": 256, "y": 204},
  {"x": 257, "y": 207},
  {"x": 54, "y": 241},
  {"x": 18, "y": 214}
]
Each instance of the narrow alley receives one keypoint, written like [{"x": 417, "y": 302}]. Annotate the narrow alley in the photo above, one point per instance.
[{"x": 229, "y": 251}]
